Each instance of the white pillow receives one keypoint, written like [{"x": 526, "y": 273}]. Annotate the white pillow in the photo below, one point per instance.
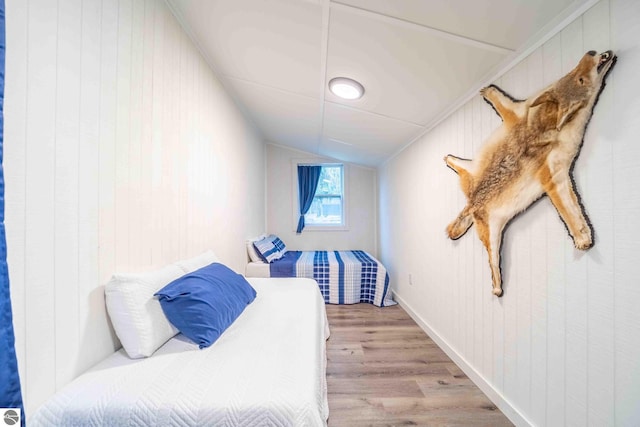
[
  {"x": 251, "y": 250},
  {"x": 202, "y": 260},
  {"x": 136, "y": 314}
]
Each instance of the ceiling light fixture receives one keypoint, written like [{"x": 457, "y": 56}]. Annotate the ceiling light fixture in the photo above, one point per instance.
[{"x": 346, "y": 88}]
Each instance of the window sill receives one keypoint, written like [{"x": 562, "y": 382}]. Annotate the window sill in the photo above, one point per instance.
[{"x": 325, "y": 228}]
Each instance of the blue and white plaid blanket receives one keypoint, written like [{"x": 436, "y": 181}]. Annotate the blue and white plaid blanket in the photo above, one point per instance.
[{"x": 344, "y": 277}]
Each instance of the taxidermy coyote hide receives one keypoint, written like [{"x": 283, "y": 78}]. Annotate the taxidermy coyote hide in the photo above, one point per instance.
[{"x": 529, "y": 155}]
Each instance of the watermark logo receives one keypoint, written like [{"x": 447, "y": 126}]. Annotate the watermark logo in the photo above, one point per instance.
[{"x": 10, "y": 416}]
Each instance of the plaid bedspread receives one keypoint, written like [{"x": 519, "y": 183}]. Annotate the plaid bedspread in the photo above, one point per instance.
[{"x": 344, "y": 277}]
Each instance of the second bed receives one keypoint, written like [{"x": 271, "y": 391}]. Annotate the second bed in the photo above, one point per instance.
[{"x": 344, "y": 277}]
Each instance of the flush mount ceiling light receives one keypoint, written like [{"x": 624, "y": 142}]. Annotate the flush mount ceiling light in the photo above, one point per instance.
[{"x": 346, "y": 88}]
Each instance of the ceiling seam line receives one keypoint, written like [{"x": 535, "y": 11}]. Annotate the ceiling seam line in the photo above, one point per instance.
[
  {"x": 324, "y": 59},
  {"x": 420, "y": 27},
  {"x": 255, "y": 83},
  {"x": 321, "y": 157},
  {"x": 362, "y": 110}
]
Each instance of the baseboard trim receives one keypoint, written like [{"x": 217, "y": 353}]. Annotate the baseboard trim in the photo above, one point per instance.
[{"x": 494, "y": 395}]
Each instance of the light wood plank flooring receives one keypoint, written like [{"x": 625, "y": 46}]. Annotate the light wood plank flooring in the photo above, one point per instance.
[{"x": 383, "y": 370}]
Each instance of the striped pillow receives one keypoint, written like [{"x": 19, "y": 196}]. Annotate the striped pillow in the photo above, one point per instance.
[
  {"x": 267, "y": 249},
  {"x": 279, "y": 244}
]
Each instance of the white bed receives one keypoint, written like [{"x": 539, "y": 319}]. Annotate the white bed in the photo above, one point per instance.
[
  {"x": 257, "y": 269},
  {"x": 268, "y": 368}
]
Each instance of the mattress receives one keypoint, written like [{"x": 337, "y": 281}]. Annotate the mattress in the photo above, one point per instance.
[
  {"x": 268, "y": 368},
  {"x": 344, "y": 277},
  {"x": 257, "y": 269}
]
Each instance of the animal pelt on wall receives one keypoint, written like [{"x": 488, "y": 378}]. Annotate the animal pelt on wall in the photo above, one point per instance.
[{"x": 531, "y": 154}]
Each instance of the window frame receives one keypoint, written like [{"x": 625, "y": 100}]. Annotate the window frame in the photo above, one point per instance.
[{"x": 296, "y": 202}]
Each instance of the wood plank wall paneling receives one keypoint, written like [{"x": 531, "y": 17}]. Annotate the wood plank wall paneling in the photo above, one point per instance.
[
  {"x": 122, "y": 153},
  {"x": 560, "y": 348},
  {"x": 622, "y": 133},
  {"x": 15, "y": 129},
  {"x": 39, "y": 241},
  {"x": 65, "y": 178}
]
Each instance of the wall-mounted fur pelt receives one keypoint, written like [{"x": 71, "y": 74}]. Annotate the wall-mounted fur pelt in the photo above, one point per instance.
[{"x": 529, "y": 155}]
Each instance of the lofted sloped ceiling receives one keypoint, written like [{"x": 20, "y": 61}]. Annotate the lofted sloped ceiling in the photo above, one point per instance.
[{"x": 417, "y": 59}]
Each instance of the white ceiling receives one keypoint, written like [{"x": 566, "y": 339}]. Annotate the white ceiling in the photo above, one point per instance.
[{"x": 417, "y": 59}]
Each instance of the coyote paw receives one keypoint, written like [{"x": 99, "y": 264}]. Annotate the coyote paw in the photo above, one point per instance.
[
  {"x": 583, "y": 243},
  {"x": 459, "y": 226},
  {"x": 447, "y": 160},
  {"x": 487, "y": 91},
  {"x": 583, "y": 240}
]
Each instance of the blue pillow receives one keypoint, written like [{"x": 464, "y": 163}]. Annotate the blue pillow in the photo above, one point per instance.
[
  {"x": 267, "y": 249},
  {"x": 204, "y": 303}
]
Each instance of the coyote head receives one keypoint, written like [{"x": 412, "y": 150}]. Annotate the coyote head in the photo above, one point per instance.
[{"x": 579, "y": 88}]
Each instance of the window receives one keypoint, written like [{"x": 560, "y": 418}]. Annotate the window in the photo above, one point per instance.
[{"x": 328, "y": 207}]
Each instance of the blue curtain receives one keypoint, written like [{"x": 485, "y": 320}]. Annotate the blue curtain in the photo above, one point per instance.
[
  {"x": 308, "y": 177},
  {"x": 10, "y": 394}
]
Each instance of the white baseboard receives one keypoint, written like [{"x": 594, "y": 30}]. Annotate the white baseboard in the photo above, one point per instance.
[{"x": 494, "y": 395}]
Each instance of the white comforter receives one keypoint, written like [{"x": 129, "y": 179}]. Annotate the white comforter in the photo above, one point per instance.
[{"x": 267, "y": 369}]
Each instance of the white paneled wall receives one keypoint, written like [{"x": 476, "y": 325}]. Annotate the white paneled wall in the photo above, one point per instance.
[
  {"x": 122, "y": 153},
  {"x": 561, "y": 347}
]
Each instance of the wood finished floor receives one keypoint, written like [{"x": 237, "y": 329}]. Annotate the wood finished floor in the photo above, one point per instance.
[{"x": 383, "y": 370}]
